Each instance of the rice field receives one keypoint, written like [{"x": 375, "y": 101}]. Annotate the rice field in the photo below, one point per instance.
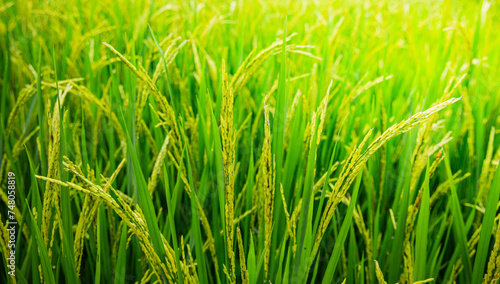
[{"x": 249, "y": 141}]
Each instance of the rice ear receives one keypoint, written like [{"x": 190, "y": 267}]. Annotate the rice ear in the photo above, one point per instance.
[
  {"x": 267, "y": 171},
  {"x": 228, "y": 158},
  {"x": 244, "y": 271},
  {"x": 357, "y": 159}
]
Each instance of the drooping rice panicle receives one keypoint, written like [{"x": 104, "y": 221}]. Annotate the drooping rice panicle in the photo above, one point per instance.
[
  {"x": 423, "y": 137},
  {"x": 356, "y": 160},
  {"x": 89, "y": 211},
  {"x": 133, "y": 218}
]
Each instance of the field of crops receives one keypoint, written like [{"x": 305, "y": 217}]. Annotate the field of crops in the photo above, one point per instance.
[{"x": 249, "y": 141}]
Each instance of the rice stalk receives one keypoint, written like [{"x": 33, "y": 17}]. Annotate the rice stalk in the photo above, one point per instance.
[{"x": 163, "y": 105}]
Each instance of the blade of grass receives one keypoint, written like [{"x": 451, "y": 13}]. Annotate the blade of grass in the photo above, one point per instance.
[
  {"x": 278, "y": 132},
  {"x": 170, "y": 216},
  {"x": 145, "y": 202},
  {"x": 121, "y": 259},
  {"x": 396, "y": 253},
  {"x": 422, "y": 232},
  {"x": 252, "y": 269},
  {"x": 458, "y": 224},
  {"x": 48, "y": 275}
]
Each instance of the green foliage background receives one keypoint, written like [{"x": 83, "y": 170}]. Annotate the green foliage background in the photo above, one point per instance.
[{"x": 268, "y": 174}]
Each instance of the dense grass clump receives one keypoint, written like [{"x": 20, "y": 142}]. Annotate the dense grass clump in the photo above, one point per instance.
[{"x": 250, "y": 141}]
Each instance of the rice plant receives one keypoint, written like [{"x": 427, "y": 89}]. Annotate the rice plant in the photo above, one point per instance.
[{"x": 249, "y": 141}]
